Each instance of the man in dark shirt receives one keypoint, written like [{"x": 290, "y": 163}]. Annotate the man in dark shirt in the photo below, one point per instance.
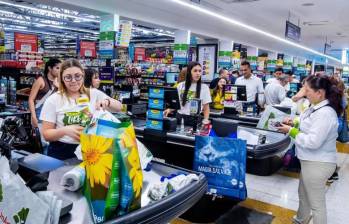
[{"x": 223, "y": 73}]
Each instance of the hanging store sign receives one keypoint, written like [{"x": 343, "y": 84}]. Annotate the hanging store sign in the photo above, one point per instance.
[
  {"x": 207, "y": 57},
  {"x": 123, "y": 36},
  {"x": 26, "y": 42},
  {"x": 88, "y": 49},
  {"x": 280, "y": 60},
  {"x": 288, "y": 61},
  {"x": 106, "y": 75},
  {"x": 271, "y": 65},
  {"x": 106, "y": 45},
  {"x": 253, "y": 62},
  {"x": 180, "y": 54},
  {"x": 2, "y": 41},
  {"x": 292, "y": 31},
  {"x": 224, "y": 59},
  {"x": 139, "y": 54}
]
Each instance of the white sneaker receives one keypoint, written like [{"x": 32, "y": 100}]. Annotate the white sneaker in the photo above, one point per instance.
[{"x": 297, "y": 221}]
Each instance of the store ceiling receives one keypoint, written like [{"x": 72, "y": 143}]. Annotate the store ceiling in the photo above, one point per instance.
[
  {"x": 318, "y": 19},
  {"x": 59, "y": 24}
]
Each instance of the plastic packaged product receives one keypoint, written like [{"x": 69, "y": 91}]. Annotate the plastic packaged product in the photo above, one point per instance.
[{"x": 74, "y": 179}]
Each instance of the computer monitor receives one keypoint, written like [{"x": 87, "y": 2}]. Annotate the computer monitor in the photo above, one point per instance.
[
  {"x": 235, "y": 93},
  {"x": 286, "y": 110},
  {"x": 224, "y": 128},
  {"x": 171, "y": 77},
  {"x": 171, "y": 98}
]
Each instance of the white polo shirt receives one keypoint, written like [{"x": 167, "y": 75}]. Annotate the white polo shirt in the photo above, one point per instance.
[
  {"x": 274, "y": 93},
  {"x": 275, "y": 80},
  {"x": 316, "y": 140},
  {"x": 253, "y": 85}
]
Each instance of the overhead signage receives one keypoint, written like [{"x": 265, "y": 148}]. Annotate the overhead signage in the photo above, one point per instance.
[
  {"x": 180, "y": 54},
  {"x": 224, "y": 59},
  {"x": 2, "y": 41},
  {"x": 88, "y": 49},
  {"x": 280, "y": 60},
  {"x": 292, "y": 31},
  {"x": 106, "y": 45},
  {"x": 207, "y": 57},
  {"x": 106, "y": 75},
  {"x": 123, "y": 36},
  {"x": 139, "y": 54},
  {"x": 26, "y": 42}
]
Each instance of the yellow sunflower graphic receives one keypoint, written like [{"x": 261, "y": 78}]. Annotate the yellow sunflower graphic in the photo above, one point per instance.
[
  {"x": 128, "y": 141},
  {"x": 96, "y": 160}
]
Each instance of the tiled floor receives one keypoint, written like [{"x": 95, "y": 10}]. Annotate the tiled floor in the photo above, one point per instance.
[{"x": 277, "y": 194}]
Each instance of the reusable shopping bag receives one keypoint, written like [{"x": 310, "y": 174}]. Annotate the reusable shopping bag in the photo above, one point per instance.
[
  {"x": 223, "y": 161},
  {"x": 114, "y": 177},
  {"x": 18, "y": 204}
]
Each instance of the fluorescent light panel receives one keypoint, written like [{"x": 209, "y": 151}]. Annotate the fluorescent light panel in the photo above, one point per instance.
[
  {"x": 251, "y": 28},
  {"x": 49, "y": 11}
]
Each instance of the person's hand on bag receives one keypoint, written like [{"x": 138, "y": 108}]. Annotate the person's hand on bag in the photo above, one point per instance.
[
  {"x": 103, "y": 104},
  {"x": 73, "y": 131},
  {"x": 284, "y": 128},
  {"x": 288, "y": 121},
  {"x": 34, "y": 122}
]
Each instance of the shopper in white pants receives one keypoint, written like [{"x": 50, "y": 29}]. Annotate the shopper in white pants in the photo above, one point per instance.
[{"x": 315, "y": 134}]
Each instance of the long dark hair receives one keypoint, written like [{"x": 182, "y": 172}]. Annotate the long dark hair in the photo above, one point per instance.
[
  {"x": 50, "y": 64},
  {"x": 215, "y": 90},
  {"x": 188, "y": 82},
  {"x": 332, "y": 93},
  {"x": 89, "y": 73}
]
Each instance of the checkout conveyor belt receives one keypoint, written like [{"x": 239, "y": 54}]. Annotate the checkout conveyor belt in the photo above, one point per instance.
[
  {"x": 161, "y": 211},
  {"x": 263, "y": 159}
]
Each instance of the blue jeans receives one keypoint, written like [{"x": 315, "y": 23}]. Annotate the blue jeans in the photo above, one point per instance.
[
  {"x": 61, "y": 150},
  {"x": 43, "y": 142}
]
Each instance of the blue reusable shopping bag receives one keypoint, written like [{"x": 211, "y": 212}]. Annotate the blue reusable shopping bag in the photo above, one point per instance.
[{"x": 223, "y": 161}]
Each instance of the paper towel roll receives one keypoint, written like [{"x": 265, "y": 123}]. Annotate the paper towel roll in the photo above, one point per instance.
[{"x": 74, "y": 179}]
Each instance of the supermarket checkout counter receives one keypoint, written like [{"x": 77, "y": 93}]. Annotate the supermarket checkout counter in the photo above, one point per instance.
[
  {"x": 178, "y": 147},
  {"x": 75, "y": 208},
  {"x": 249, "y": 120}
]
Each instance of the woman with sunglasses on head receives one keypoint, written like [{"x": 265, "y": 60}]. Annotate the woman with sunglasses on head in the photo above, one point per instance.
[
  {"x": 315, "y": 134},
  {"x": 62, "y": 124},
  {"x": 190, "y": 89}
]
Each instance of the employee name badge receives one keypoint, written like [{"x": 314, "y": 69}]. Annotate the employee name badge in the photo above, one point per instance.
[
  {"x": 83, "y": 101},
  {"x": 195, "y": 106}
]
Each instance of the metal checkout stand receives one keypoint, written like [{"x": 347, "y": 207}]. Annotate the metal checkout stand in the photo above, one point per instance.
[{"x": 176, "y": 145}]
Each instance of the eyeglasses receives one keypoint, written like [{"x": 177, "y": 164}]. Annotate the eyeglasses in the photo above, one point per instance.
[{"x": 76, "y": 77}]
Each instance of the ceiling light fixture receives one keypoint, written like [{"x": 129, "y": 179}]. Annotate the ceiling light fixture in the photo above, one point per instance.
[
  {"x": 49, "y": 11},
  {"x": 153, "y": 32},
  {"x": 251, "y": 28}
]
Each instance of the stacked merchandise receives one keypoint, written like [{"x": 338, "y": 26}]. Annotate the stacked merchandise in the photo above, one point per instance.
[{"x": 155, "y": 109}]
